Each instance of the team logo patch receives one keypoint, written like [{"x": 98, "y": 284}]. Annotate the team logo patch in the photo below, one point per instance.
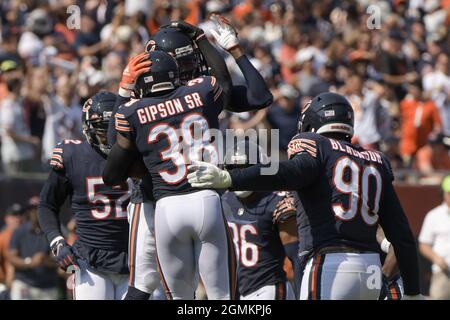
[
  {"x": 329, "y": 113},
  {"x": 87, "y": 105},
  {"x": 302, "y": 145}
]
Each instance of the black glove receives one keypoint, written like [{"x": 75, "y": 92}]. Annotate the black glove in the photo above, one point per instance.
[
  {"x": 193, "y": 32},
  {"x": 64, "y": 255}
]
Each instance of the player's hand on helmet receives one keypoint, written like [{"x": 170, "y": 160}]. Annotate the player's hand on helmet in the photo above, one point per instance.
[
  {"x": 225, "y": 34},
  {"x": 285, "y": 209},
  {"x": 207, "y": 175},
  {"x": 63, "y": 254},
  {"x": 136, "y": 66},
  {"x": 195, "y": 33},
  {"x": 413, "y": 297}
]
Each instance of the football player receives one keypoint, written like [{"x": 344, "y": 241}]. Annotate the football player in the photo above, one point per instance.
[
  {"x": 100, "y": 251},
  {"x": 194, "y": 53},
  {"x": 264, "y": 231},
  {"x": 162, "y": 127},
  {"x": 345, "y": 192}
]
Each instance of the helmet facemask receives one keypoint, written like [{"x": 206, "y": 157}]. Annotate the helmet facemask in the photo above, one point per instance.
[{"x": 96, "y": 132}]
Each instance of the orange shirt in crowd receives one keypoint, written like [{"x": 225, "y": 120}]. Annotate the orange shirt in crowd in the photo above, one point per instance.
[
  {"x": 5, "y": 236},
  {"x": 247, "y": 7},
  {"x": 286, "y": 56},
  {"x": 418, "y": 120}
]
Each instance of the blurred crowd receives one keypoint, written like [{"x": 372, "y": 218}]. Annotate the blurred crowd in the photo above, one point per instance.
[
  {"x": 28, "y": 270},
  {"x": 390, "y": 58}
]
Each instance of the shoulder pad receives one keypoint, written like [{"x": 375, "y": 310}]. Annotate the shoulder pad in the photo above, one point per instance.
[
  {"x": 304, "y": 142},
  {"x": 62, "y": 151}
]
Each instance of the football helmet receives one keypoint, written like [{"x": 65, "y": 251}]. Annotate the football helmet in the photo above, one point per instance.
[
  {"x": 162, "y": 76},
  {"x": 327, "y": 113},
  {"x": 171, "y": 40},
  {"x": 96, "y": 114}
]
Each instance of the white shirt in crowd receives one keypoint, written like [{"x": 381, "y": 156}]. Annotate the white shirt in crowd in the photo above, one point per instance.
[
  {"x": 61, "y": 123},
  {"x": 12, "y": 118},
  {"x": 436, "y": 232}
]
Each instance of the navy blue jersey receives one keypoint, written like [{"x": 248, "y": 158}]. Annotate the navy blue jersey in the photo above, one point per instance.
[
  {"x": 100, "y": 211},
  {"x": 345, "y": 192},
  {"x": 256, "y": 239},
  {"x": 340, "y": 191},
  {"x": 171, "y": 130}
]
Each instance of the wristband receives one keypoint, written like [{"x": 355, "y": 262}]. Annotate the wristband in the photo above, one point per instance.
[{"x": 385, "y": 245}]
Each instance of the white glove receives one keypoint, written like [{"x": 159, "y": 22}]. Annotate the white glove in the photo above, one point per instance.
[
  {"x": 207, "y": 175},
  {"x": 414, "y": 297},
  {"x": 226, "y": 35}
]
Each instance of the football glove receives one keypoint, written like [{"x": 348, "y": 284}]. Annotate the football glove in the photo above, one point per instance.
[
  {"x": 136, "y": 66},
  {"x": 63, "y": 254},
  {"x": 285, "y": 209},
  {"x": 226, "y": 35},
  {"x": 195, "y": 33},
  {"x": 207, "y": 175}
]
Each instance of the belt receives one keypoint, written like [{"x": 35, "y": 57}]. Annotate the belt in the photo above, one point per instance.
[{"x": 341, "y": 249}]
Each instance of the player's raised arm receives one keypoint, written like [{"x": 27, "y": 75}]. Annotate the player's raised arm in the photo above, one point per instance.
[
  {"x": 213, "y": 58},
  {"x": 136, "y": 66},
  {"x": 255, "y": 95}
]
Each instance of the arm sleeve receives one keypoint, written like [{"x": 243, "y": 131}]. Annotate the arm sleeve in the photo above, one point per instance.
[
  {"x": 112, "y": 122},
  {"x": 117, "y": 165},
  {"x": 53, "y": 194},
  {"x": 293, "y": 174},
  {"x": 255, "y": 95},
  {"x": 396, "y": 228},
  {"x": 218, "y": 68}
]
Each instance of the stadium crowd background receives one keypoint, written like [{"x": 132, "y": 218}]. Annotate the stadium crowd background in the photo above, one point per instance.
[{"x": 390, "y": 58}]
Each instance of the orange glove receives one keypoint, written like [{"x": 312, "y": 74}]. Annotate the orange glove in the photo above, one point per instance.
[{"x": 136, "y": 66}]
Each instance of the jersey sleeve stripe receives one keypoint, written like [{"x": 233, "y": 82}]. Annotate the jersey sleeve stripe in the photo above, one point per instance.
[
  {"x": 217, "y": 94},
  {"x": 120, "y": 128},
  {"x": 57, "y": 157},
  {"x": 122, "y": 123},
  {"x": 56, "y": 164}
]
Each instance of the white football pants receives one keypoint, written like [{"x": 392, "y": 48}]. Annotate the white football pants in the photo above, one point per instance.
[
  {"x": 141, "y": 250},
  {"x": 192, "y": 239},
  {"x": 342, "y": 276}
]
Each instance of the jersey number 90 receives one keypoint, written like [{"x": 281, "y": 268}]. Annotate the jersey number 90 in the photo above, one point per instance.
[{"x": 357, "y": 189}]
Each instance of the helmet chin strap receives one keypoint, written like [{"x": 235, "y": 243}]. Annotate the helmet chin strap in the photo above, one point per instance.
[{"x": 243, "y": 194}]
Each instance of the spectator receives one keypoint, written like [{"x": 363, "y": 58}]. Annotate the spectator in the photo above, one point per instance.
[
  {"x": 372, "y": 121},
  {"x": 436, "y": 84},
  {"x": 35, "y": 269},
  {"x": 284, "y": 115},
  {"x": 63, "y": 116},
  {"x": 13, "y": 219},
  {"x": 18, "y": 145},
  {"x": 392, "y": 64},
  {"x": 420, "y": 117},
  {"x": 434, "y": 242}
]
